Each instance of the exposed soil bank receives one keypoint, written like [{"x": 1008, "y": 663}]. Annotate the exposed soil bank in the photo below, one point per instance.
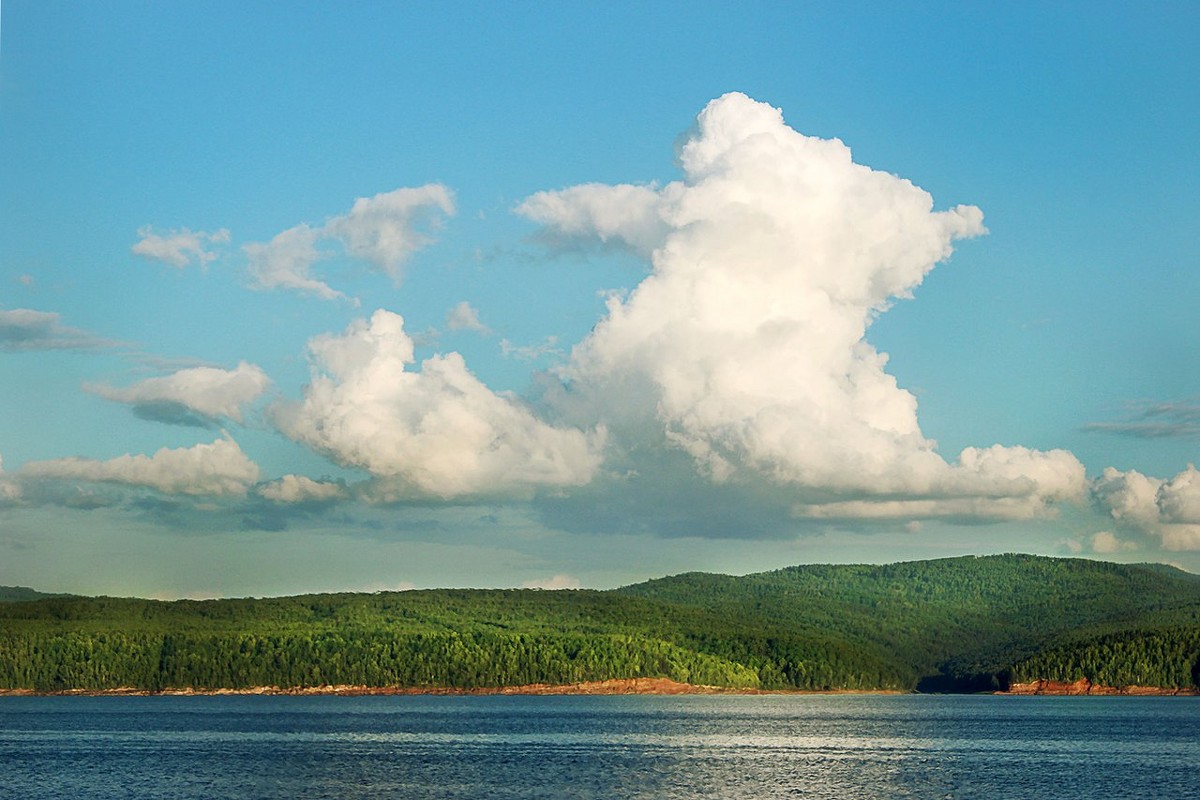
[{"x": 1086, "y": 687}]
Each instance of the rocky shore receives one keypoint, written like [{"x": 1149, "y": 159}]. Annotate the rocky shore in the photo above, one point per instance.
[{"x": 1084, "y": 686}]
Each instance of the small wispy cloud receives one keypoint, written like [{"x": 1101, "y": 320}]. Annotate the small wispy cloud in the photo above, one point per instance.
[
  {"x": 9, "y": 491},
  {"x": 179, "y": 247},
  {"x": 1100, "y": 543},
  {"x": 286, "y": 262},
  {"x": 464, "y": 317},
  {"x": 556, "y": 582},
  {"x": 1108, "y": 542},
  {"x": 1168, "y": 420},
  {"x": 548, "y": 347},
  {"x": 384, "y": 230},
  {"x": 26, "y": 329}
]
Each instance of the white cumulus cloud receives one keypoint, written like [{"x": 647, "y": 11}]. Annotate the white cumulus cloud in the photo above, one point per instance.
[
  {"x": 218, "y": 468},
  {"x": 299, "y": 489},
  {"x": 199, "y": 394},
  {"x": 389, "y": 227},
  {"x": 435, "y": 432},
  {"x": 1179, "y": 498},
  {"x": 1129, "y": 497},
  {"x": 1168, "y": 510},
  {"x": 624, "y": 214},
  {"x": 384, "y": 230},
  {"x": 747, "y": 342},
  {"x": 179, "y": 247}
]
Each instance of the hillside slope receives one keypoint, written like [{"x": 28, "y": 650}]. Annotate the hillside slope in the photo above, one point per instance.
[
  {"x": 20, "y": 594},
  {"x": 950, "y": 624},
  {"x": 956, "y": 622}
]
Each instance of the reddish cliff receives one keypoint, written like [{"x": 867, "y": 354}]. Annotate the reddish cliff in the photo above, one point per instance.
[{"x": 1085, "y": 686}]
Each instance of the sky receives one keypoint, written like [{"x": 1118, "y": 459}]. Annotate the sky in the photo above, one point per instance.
[{"x": 365, "y": 297}]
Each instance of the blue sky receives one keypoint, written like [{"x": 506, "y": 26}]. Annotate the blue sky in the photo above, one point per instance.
[{"x": 371, "y": 297}]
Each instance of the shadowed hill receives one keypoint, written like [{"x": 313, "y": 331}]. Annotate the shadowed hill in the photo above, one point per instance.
[{"x": 20, "y": 594}]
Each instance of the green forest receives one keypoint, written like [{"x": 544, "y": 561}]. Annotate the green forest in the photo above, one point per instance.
[{"x": 958, "y": 624}]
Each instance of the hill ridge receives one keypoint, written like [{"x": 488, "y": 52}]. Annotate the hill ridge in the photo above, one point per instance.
[{"x": 959, "y": 623}]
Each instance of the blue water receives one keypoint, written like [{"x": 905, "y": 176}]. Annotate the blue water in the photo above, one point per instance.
[{"x": 843, "y": 747}]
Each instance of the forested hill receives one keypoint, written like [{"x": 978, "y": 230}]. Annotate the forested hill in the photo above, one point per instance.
[
  {"x": 16, "y": 594},
  {"x": 950, "y": 624},
  {"x": 959, "y": 622}
]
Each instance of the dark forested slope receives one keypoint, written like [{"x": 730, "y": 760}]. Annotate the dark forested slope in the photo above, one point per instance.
[
  {"x": 17, "y": 594},
  {"x": 963, "y": 623},
  {"x": 955, "y": 622}
]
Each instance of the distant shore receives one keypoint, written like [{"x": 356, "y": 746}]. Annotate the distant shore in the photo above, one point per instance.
[
  {"x": 649, "y": 686},
  {"x": 618, "y": 686}
]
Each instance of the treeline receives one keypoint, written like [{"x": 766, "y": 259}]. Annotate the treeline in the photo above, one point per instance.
[
  {"x": 1168, "y": 658},
  {"x": 56, "y": 662},
  {"x": 439, "y": 638},
  {"x": 946, "y": 625}
]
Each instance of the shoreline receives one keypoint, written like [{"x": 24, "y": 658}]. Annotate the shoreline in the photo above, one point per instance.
[
  {"x": 1084, "y": 687},
  {"x": 616, "y": 686}
]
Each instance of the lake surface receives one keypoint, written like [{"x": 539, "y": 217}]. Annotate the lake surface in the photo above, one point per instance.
[{"x": 800, "y": 746}]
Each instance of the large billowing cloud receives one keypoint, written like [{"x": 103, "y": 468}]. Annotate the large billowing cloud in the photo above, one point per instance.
[
  {"x": 746, "y": 345},
  {"x": 179, "y": 247},
  {"x": 434, "y": 432},
  {"x": 384, "y": 230},
  {"x": 196, "y": 396},
  {"x": 1168, "y": 510},
  {"x": 218, "y": 468}
]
